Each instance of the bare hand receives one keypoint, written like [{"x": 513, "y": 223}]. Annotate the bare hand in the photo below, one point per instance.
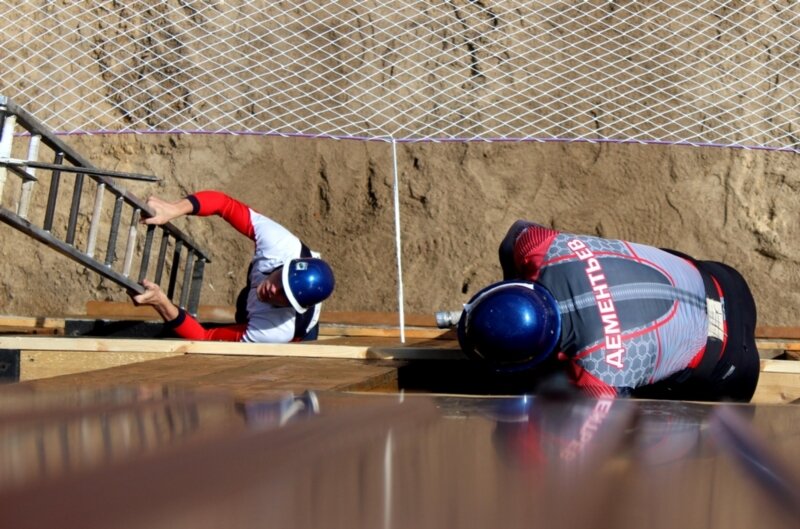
[
  {"x": 153, "y": 295},
  {"x": 163, "y": 211}
]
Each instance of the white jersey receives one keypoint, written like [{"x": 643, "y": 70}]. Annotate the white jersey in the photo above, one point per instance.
[{"x": 275, "y": 245}]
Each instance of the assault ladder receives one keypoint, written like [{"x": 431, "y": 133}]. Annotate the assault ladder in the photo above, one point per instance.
[{"x": 91, "y": 222}]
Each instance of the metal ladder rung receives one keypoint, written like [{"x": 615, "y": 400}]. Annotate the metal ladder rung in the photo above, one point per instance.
[
  {"x": 162, "y": 256},
  {"x": 55, "y": 180},
  {"x": 187, "y": 278},
  {"x": 148, "y": 245},
  {"x": 94, "y": 227},
  {"x": 27, "y": 187},
  {"x": 112, "y": 237},
  {"x": 74, "y": 208},
  {"x": 126, "y": 267},
  {"x": 173, "y": 272}
]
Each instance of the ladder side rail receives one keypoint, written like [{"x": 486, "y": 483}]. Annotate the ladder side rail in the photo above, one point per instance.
[
  {"x": 48, "y": 239},
  {"x": 6, "y": 138}
]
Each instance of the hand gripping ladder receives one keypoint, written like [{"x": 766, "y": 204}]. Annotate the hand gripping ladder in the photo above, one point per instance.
[{"x": 77, "y": 233}]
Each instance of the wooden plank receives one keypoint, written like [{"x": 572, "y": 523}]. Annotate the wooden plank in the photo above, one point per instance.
[
  {"x": 353, "y": 347},
  {"x": 226, "y": 313},
  {"x": 772, "y": 344},
  {"x": 23, "y": 321},
  {"x": 777, "y": 388},
  {"x": 222, "y": 313},
  {"x": 44, "y": 364},
  {"x": 410, "y": 332},
  {"x": 128, "y": 311},
  {"x": 30, "y": 330},
  {"x": 780, "y": 366},
  {"x": 244, "y": 377},
  {"x": 377, "y": 318},
  {"x": 29, "y": 325},
  {"x": 299, "y": 350},
  {"x": 262, "y": 368},
  {"x": 56, "y": 326},
  {"x": 790, "y": 333}
]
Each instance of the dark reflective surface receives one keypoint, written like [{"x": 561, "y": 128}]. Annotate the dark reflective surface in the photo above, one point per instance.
[{"x": 165, "y": 457}]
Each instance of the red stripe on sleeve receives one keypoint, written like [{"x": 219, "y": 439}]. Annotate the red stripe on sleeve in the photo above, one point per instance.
[
  {"x": 530, "y": 249},
  {"x": 191, "y": 329},
  {"x": 234, "y": 212}
]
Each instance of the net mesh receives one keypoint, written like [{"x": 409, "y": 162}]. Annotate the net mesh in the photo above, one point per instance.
[{"x": 676, "y": 72}]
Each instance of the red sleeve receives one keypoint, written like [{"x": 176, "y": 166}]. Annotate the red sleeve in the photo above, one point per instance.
[
  {"x": 237, "y": 214},
  {"x": 189, "y": 328},
  {"x": 530, "y": 249}
]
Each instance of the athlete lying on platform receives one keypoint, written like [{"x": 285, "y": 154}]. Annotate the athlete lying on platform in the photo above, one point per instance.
[{"x": 620, "y": 318}]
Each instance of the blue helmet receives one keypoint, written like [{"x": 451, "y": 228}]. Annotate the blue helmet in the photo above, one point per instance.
[
  {"x": 307, "y": 281},
  {"x": 510, "y": 325}
]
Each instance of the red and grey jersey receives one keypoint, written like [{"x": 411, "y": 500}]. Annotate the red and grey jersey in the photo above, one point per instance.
[
  {"x": 631, "y": 314},
  {"x": 274, "y": 246}
]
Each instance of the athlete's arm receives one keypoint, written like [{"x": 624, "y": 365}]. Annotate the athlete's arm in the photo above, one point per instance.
[
  {"x": 182, "y": 323},
  {"x": 530, "y": 248},
  {"x": 237, "y": 214},
  {"x": 185, "y": 326},
  {"x": 202, "y": 204},
  {"x": 506, "y": 250}
]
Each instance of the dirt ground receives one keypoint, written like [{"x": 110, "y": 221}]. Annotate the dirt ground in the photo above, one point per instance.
[{"x": 456, "y": 201}]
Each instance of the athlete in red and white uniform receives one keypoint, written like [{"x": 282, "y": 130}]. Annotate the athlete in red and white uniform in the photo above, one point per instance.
[
  {"x": 269, "y": 315},
  {"x": 641, "y": 320}
]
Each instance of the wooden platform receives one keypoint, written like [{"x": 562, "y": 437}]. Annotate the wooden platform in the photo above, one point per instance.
[
  {"x": 141, "y": 432},
  {"x": 355, "y": 352},
  {"x": 258, "y": 370}
]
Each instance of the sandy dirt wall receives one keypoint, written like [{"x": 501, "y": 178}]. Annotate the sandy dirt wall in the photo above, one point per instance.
[{"x": 456, "y": 201}]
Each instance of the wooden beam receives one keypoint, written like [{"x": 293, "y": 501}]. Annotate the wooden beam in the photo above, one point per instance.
[
  {"x": 300, "y": 350},
  {"x": 26, "y": 325},
  {"x": 23, "y": 321},
  {"x": 128, "y": 311},
  {"x": 226, "y": 313},
  {"x": 780, "y": 366},
  {"x": 790, "y": 333},
  {"x": 393, "y": 332},
  {"x": 355, "y": 347}
]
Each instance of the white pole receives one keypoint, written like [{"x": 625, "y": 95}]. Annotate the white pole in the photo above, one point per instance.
[
  {"x": 388, "y": 453},
  {"x": 397, "y": 244}
]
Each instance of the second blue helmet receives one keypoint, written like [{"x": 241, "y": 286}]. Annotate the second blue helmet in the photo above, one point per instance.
[{"x": 510, "y": 325}]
